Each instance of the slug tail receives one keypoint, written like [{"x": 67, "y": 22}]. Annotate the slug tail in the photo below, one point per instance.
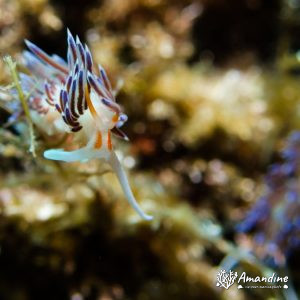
[{"x": 118, "y": 169}]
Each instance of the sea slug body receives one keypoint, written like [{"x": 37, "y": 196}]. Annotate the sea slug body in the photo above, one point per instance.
[{"x": 76, "y": 97}]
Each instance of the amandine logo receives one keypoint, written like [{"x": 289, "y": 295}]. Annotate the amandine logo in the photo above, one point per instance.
[{"x": 227, "y": 279}]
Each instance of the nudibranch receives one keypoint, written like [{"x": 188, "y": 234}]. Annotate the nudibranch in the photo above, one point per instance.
[{"x": 75, "y": 96}]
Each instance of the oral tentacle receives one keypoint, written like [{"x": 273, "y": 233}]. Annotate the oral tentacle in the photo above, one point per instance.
[
  {"x": 83, "y": 154},
  {"x": 69, "y": 156},
  {"x": 118, "y": 169}
]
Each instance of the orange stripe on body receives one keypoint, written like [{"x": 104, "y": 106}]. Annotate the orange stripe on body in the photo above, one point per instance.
[
  {"x": 98, "y": 142},
  {"x": 115, "y": 118},
  {"x": 89, "y": 102},
  {"x": 109, "y": 144}
]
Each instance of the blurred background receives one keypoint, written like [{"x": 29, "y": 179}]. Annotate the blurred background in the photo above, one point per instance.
[{"x": 212, "y": 92}]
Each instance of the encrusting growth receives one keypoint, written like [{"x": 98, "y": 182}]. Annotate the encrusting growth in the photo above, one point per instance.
[{"x": 76, "y": 97}]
